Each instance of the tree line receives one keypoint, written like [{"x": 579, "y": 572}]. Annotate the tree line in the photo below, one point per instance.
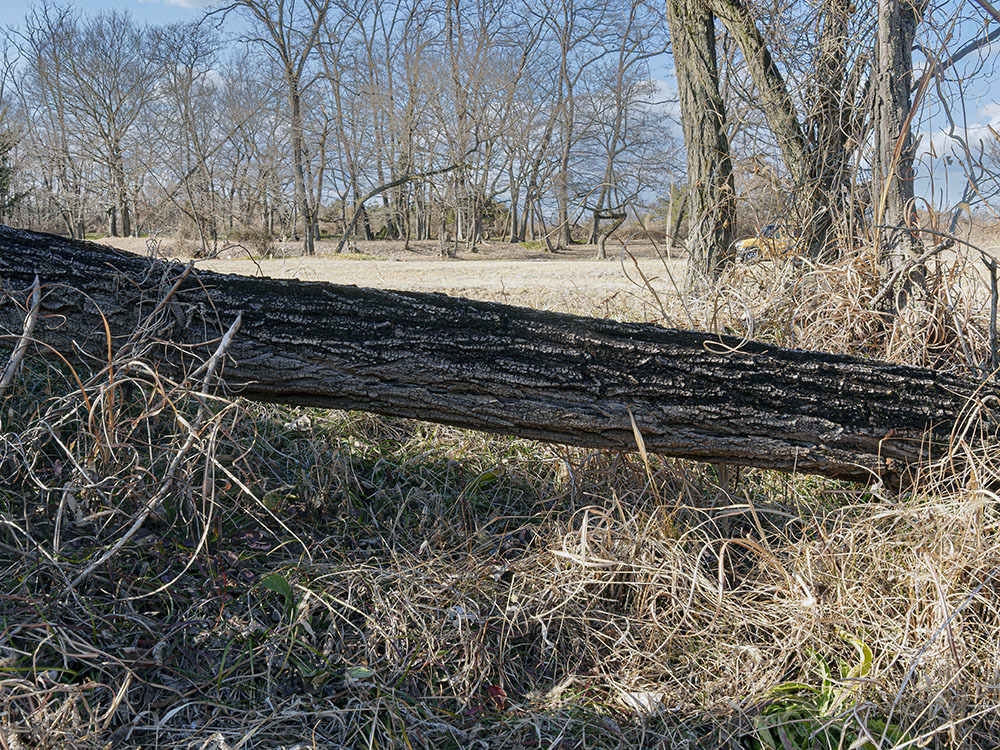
[
  {"x": 529, "y": 120},
  {"x": 270, "y": 116}
]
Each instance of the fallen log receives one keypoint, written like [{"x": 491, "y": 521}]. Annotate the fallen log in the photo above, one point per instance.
[{"x": 492, "y": 367}]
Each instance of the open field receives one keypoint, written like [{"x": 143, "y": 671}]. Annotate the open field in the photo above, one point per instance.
[
  {"x": 570, "y": 280},
  {"x": 273, "y": 577}
]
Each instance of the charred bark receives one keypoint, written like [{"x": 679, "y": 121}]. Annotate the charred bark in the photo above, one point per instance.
[{"x": 497, "y": 368}]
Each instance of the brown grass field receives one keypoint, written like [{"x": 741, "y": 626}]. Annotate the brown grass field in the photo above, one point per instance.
[
  {"x": 299, "y": 578},
  {"x": 498, "y": 272}
]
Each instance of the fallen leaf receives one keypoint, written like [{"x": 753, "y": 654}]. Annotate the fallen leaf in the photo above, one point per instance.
[
  {"x": 646, "y": 704},
  {"x": 498, "y": 695}
]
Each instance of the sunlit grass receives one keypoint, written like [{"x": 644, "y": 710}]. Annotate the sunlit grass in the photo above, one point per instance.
[{"x": 351, "y": 580}]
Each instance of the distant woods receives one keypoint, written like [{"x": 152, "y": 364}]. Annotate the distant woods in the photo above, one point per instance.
[
  {"x": 404, "y": 120},
  {"x": 550, "y": 121}
]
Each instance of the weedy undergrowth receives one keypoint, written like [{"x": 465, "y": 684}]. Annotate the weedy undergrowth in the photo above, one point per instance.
[
  {"x": 181, "y": 569},
  {"x": 824, "y": 711}
]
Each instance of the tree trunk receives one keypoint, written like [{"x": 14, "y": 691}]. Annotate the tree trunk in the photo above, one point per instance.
[
  {"x": 513, "y": 218},
  {"x": 816, "y": 168},
  {"x": 486, "y": 366},
  {"x": 774, "y": 97},
  {"x": 528, "y": 218},
  {"x": 617, "y": 219},
  {"x": 827, "y": 130},
  {"x": 564, "y": 237},
  {"x": 444, "y": 241},
  {"x": 120, "y": 193},
  {"x": 892, "y": 168},
  {"x": 298, "y": 163},
  {"x": 712, "y": 197}
]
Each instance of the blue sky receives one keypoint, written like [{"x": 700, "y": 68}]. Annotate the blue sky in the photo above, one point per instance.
[{"x": 146, "y": 11}]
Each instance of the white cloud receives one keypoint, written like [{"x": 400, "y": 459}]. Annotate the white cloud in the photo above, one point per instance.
[
  {"x": 942, "y": 155},
  {"x": 991, "y": 112},
  {"x": 941, "y": 142}
]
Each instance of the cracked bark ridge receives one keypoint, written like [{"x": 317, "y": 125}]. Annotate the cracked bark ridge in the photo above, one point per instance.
[{"x": 502, "y": 369}]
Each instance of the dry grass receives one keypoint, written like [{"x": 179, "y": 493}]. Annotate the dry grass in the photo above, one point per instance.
[{"x": 321, "y": 579}]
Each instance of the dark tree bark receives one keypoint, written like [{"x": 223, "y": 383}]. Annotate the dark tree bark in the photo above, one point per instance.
[
  {"x": 712, "y": 197},
  {"x": 892, "y": 168},
  {"x": 492, "y": 367}
]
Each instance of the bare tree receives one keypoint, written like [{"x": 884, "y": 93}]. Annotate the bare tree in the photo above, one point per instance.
[
  {"x": 111, "y": 77},
  {"x": 815, "y": 147},
  {"x": 251, "y": 165},
  {"x": 794, "y": 109},
  {"x": 185, "y": 124},
  {"x": 344, "y": 70},
  {"x": 52, "y": 136},
  {"x": 487, "y": 49},
  {"x": 624, "y": 119},
  {"x": 579, "y": 29},
  {"x": 9, "y": 195},
  {"x": 289, "y": 32}
]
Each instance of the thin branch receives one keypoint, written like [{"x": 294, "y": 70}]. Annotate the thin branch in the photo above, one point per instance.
[
  {"x": 22, "y": 343},
  {"x": 989, "y": 8},
  {"x": 171, "y": 472},
  {"x": 957, "y": 57}
]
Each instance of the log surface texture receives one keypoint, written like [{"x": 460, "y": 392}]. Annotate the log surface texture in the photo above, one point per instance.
[{"x": 503, "y": 369}]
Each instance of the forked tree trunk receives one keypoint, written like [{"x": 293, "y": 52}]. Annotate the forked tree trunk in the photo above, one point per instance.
[
  {"x": 815, "y": 154},
  {"x": 486, "y": 366},
  {"x": 617, "y": 219},
  {"x": 712, "y": 197}
]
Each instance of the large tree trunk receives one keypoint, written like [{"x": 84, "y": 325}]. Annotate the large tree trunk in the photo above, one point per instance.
[
  {"x": 712, "y": 197},
  {"x": 492, "y": 367}
]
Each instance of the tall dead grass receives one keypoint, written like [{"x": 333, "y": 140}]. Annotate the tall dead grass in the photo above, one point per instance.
[{"x": 182, "y": 570}]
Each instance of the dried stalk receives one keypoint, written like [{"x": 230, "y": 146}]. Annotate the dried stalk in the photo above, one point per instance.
[
  {"x": 22, "y": 343},
  {"x": 171, "y": 472}
]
